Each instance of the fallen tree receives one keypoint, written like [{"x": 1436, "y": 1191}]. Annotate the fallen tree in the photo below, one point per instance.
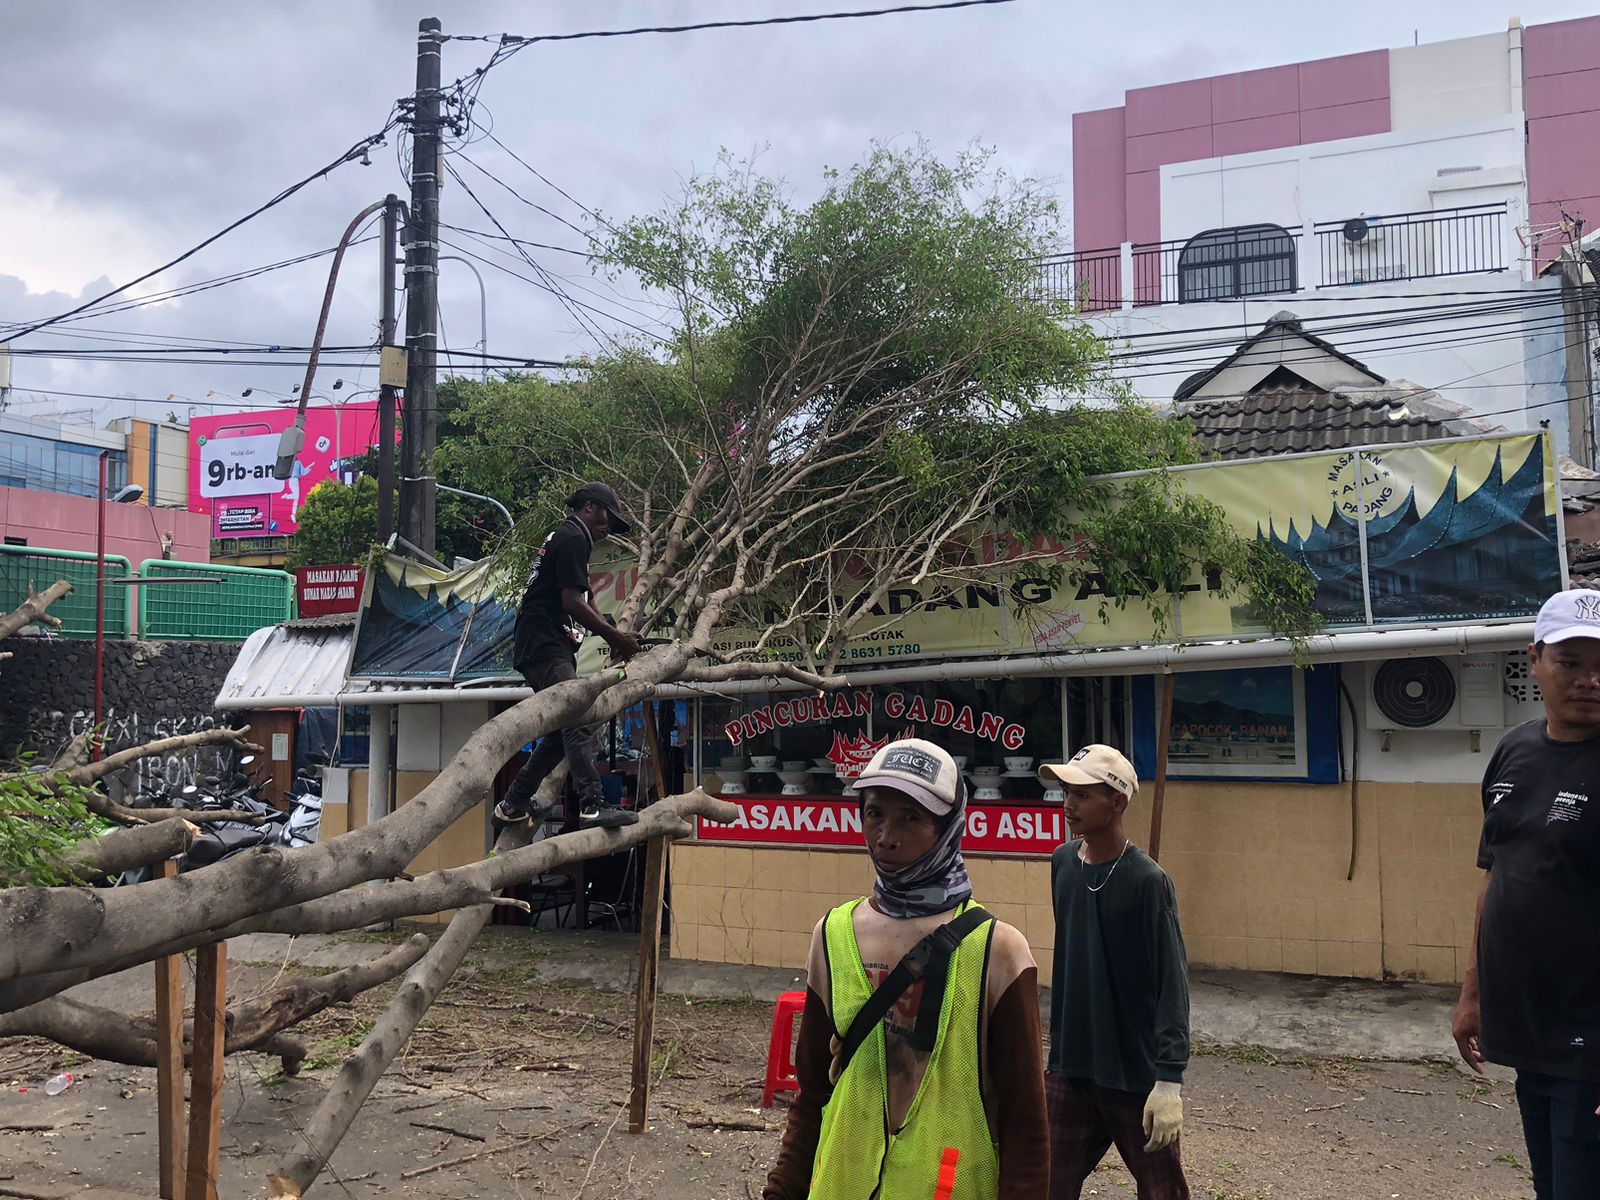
[{"x": 858, "y": 395}]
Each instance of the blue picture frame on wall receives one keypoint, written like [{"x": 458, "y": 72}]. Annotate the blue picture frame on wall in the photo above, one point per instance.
[{"x": 1278, "y": 724}]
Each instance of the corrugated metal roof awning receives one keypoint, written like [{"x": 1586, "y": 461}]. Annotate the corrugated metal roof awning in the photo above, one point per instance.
[{"x": 284, "y": 665}]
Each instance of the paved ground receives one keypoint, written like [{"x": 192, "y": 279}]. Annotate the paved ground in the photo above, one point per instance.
[{"x": 512, "y": 1088}]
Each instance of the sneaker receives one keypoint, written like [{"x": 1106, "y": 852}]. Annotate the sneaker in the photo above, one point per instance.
[
  {"x": 508, "y": 812},
  {"x": 608, "y": 816}
]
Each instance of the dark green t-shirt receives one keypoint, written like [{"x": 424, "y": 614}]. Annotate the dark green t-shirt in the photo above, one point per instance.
[{"x": 1119, "y": 995}]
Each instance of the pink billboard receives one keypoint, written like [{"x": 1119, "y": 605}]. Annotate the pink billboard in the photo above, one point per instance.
[{"x": 231, "y": 459}]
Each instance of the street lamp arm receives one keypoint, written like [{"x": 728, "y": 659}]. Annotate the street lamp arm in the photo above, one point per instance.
[
  {"x": 504, "y": 511},
  {"x": 294, "y": 437},
  {"x": 483, "y": 308}
]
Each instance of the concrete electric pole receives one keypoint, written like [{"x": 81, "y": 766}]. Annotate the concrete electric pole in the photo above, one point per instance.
[{"x": 420, "y": 432}]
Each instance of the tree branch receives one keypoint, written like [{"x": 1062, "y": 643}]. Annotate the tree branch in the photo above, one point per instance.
[
  {"x": 126, "y": 849},
  {"x": 253, "y": 1024},
  {"x": 33, "y": 608}
]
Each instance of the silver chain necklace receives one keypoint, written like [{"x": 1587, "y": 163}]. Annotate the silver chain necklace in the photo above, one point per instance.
[{"x": 1110, "y": 873}]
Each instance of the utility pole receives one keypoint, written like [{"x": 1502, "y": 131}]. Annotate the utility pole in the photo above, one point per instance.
[
  {"x": 421, "y": 430},
  {"x": 386, "y": 393}
]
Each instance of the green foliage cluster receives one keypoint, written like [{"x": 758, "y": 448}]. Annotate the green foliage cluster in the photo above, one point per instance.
[
  {"x": 40, "y": 823},
  {"x": 338, "y": 523}
]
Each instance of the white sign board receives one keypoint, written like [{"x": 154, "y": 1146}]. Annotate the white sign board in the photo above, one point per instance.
[
  {"x": 280, "y": 747},
  {"x": 238, "y": 466}
]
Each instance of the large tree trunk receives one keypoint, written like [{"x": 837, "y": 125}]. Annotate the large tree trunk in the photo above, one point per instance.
[
  {"x": 253, "y": 1024},
  {"x": 439, "y": 890},
  {"x": 63, "y": 929}
]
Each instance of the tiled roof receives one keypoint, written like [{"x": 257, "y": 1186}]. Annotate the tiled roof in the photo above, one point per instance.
[{"x": 1287, "y": 420}]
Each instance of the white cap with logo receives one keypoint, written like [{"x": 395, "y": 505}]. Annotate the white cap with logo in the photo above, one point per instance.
[
  {"x": 1570, "y": 614},
  {"x": 918, "y": 768},
  {"x": 1094, "y": 764}
]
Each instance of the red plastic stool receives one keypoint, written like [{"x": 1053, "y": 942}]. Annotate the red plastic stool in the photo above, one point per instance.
[{"x": 780, "y": 1049}]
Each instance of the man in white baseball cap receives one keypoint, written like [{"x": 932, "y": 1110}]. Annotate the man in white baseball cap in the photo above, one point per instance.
[
  {"x": 1119, "y": 999},
  {"x": 1530, "y": 996},
  {"x": 882, "y": 971}
]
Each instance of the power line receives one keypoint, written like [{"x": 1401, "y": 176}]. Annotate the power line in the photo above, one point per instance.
[
  {"x": 577, "y": 229},
  {"x": 628, "y": 305},
  {"x": 187, "y": 289},
  {"x": 360, "y": 148},
  {"x": 516, "y": 42},
  {"x": 496, "y": 237},
  {"x": 549, "y": 283},
  {"x": 1506, "y": 303},
  {"x": 553, "y": 187}
]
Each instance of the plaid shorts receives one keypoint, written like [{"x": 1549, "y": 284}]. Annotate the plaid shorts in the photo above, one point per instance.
[{"x": 1085, "y": 1121}]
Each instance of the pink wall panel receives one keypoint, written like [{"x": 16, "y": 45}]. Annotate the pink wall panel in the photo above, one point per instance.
[
  {"x": 1150, "y": 151},
  {"x": 1348, "y": 79},
  {"x": 1562, "y": 161},
  {"x": 1563, "y": 104},
  {"x": 1560, "y": 47},
  {"x": 1240, "y": 113},
  {"x": 1558, "y": 95},
  {"x": 1345, "y": 121},
  {"x": 1258, "y": 133},
  {"x": 1099, "y": 179},
  {"x": 1168, "y": 107},
  {"x": 1268, "y": 93},
  {"x": 1144, "y": 207}
]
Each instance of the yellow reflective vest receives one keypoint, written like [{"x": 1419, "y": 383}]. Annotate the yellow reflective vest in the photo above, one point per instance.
[{"x": 944, "y": 1150}]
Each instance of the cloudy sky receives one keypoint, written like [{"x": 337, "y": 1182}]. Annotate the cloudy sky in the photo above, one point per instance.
[{"x": 128, "y": 133}]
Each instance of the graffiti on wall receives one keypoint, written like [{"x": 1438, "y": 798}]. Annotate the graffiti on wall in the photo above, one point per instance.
[{"x": 171, "y": 771}]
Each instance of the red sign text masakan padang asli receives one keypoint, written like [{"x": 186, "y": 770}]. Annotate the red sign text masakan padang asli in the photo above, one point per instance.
[
  {"x": 1035, "y": 829},
  {"x": 897, "y": 707}
]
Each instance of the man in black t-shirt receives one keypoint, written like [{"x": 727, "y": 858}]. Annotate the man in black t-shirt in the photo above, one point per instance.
[
  {"x": 1530, "y": 997},
  {"x": 551, "y": 623},
  {"x": 1119, "y": 997}
]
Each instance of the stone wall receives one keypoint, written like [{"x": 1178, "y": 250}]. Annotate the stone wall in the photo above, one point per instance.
[{"x": 152, "y": 690}]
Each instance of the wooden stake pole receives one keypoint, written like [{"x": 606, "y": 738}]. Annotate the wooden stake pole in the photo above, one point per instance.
[
  {"x": 169, "y": 1063},
  {"x": 205, "y": 1071},
  {"x": 1163, "y": 744},
  {"x": 644, "y": 1021}
]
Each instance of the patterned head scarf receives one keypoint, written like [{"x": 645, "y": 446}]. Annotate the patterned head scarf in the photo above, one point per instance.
[{"x": 934, "y": 883}]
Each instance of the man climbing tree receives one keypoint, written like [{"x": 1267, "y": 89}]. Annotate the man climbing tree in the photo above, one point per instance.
[{"x": 556, "y": 609}]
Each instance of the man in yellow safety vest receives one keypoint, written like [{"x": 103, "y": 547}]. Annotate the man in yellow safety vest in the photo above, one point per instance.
[{"x": 919, "y": 1057}]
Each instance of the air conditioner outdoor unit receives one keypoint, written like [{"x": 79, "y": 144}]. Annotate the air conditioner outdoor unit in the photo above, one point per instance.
[
  {"x": 1439, "y": 694},
  {"x": 1363, "y": 230}
]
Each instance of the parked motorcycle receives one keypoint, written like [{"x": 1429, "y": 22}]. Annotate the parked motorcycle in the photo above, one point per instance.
[{"x": 239, "y": 790}]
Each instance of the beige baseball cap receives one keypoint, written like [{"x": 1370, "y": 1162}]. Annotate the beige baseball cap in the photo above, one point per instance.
[
  {"x": 1094, "y": 764},
  {"x": 918, "y": 768}
]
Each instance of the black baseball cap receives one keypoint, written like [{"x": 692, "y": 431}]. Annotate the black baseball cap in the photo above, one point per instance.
[{"x": 606, "y": 497}]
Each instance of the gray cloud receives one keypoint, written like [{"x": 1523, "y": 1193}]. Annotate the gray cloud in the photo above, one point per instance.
[{"x": 129, "y": 132}]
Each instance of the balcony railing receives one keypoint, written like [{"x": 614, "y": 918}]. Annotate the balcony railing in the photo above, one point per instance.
[
  {"x": 1265, "y": 260},
  {"x": 1419, "y": 245}
]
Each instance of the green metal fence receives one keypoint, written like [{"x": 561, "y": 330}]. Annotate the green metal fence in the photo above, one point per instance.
[
  {"x": 22, "y": 565},
  {"x": 246, "y": 599}
]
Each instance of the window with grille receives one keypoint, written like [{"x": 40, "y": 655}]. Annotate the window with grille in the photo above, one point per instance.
[{"x": 1242, "y": 260}]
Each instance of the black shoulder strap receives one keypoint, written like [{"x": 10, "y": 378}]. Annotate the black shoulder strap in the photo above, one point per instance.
[{"x": 928, "y": 960}]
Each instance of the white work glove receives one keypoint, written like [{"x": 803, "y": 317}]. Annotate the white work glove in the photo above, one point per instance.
[{"x": 1163, "y": 1115}]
